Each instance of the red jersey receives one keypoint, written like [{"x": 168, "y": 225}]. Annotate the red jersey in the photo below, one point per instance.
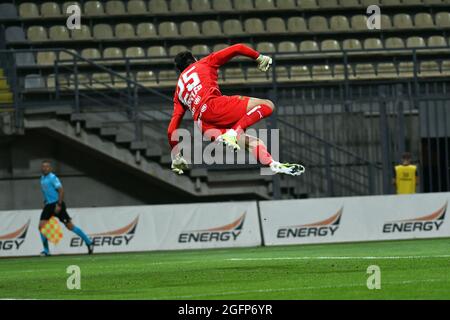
[{"x": 197, "y": 84}]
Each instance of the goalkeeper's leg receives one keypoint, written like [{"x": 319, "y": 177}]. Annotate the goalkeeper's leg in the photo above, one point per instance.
[
  {"x": 256, "y": 110},
  {"x": 259, "y": 150}
]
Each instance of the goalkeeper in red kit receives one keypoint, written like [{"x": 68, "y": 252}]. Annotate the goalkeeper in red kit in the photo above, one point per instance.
[{"x": 221, "y": 118}]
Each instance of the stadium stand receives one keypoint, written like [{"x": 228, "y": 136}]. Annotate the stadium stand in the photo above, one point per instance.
[{"x": 321, "y": 43}]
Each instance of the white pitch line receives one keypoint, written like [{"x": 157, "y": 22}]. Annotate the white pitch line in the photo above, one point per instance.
[
  {"x": 227, "y": 293},
  {"x": 340, "y": 258}
]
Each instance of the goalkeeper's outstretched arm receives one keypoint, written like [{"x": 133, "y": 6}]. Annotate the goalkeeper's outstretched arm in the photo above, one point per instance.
[
  {"x": 178, "y": 163},
  {"x": 221, "y": 57}
]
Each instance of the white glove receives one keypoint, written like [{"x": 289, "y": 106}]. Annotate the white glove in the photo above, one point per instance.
[
  {"x": 179, "y": 164},
  {"x": 264, "y": 62}
]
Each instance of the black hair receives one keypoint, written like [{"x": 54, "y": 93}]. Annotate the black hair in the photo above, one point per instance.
[
  {"x": 183, "y": 60},
  {"x": 406, "y": 156}
]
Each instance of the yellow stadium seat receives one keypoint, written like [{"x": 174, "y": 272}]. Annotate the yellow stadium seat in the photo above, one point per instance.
[
  {"x": 28, "y": 10},
  {"x": 211, "y": 28}
]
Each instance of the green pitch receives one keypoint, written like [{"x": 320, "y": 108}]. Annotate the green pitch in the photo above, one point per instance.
[{"x": 416, "y": 269}]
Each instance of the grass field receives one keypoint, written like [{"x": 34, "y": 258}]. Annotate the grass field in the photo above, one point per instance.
[{"x": 415, "y": 269}]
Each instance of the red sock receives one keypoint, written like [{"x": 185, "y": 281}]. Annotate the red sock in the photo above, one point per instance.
[
  {"x": 253, "y": 116},
  {"x": 262, "y": 155}
]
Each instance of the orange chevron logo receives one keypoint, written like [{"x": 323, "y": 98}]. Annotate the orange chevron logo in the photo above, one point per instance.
[
  {"x": 20, "y": 233},
  {"x": 235, "y": 225}
]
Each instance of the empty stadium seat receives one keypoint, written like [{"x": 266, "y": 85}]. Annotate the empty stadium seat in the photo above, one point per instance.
[
  {"x": 328, "y": 3},
  {"x": 317, "y": 24},
  {"x": 45, "y": 58},
  {"x": 243, "y": 5},
  {"x": 156, "y": 51},
  {"x": 264, "y": 4},
  {"x": 201, "y": 5},
  {"x": 321, "y": 72},
  {"x": 266, "y": 47},
  {"x": 373, "y": 43},
  {"x": 309, "y": 46},
  {"x": 219, "y": 46},
  {"x": 222, "y": 5},
  {"x": 24, "y": 59},
  {"x": 364, "y": 71},
  {"x": 359, "y": 22},
  {"x": 91, "y": 53},
  {"x": 445, "y": 67},
  {"x": 134, "y": 52},
  {"x": 167, "y": 78},
  {"x": 115, "y": 7},
  {"x": 367, "y": 3},
  {"x": 66, "y": 56},
  {"x": 50, "y": 9},
  {"x": 423, "y": 20},
  {"x": 102, "y": 31},
  {"x": 37, "y": 33},
  {"x": 34, "y": 81},
  {"x": 159, "y": 6},
  {"x": 391, "y": 2},
  {"x": 406, "y": 69},
  {"x": 84, "y": 33},
  {"x": 232, "y": 27},
  {"x": 412, "y": 2},
  {"x": 59, "y": 33},
  {"x": 14, "y": 34},
  {"x": 386, "y": 22},
  {"x": 101, "y": 80},
  {"x": 300, "y": 73},
  {"x": 190, "y": 29},
  {"x": 256, "y": 76},
  {"x": 415, "y": 42},
  {"x": 124, "y": 31},
  {"x": 386, "y": 70},
  {"x": 254, "y": 25},
  {"x": 443, "y": 19},
  {"x": 200, "y": 50},
  {"x": 429, "y": 69},
  {"x": 330, "y": 45},
  {"x": 431, "y": 2},
  {"x": 113, "y": 53},
  {"x": 211, "y": 28},
  {"x": 351, "y": 44},
  {"x": 179, "y": 6},
  {"x": 94, "y": 8},
  {"x": 146, "y": 78},
  {"x": 282, "y": 73},
  {"x": 275, "y": 25},
  {"x": 146, "y": 30},
  {"x": 234, "y": 75},
  {"x": 349, "y": 3},
  {"x": 136, "y": 7},
  {"x": 168, "y": 29},
  {"x": 339, "y": 23},
  {"x": 394, "y": 43},
  {"x": 402, "y": 21},
  {"x": 296, "y": 24},
  {"x": 286, "y": 4},
  {"x": 436, "y": 41},
  {"x": 287, "y": 46},
  {"x": 28, "y": 10}
]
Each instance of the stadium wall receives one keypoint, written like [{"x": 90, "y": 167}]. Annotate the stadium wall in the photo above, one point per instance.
[{"x": 236, "y": 224}]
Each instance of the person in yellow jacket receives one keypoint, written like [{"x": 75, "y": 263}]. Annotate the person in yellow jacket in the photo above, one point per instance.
[{"x": 406, "y": 176}]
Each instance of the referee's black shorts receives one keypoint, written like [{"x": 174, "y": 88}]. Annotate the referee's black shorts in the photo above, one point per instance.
[{"x": 49, "y": 211}]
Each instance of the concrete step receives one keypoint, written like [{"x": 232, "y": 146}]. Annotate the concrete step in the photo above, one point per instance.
[{"x": 109, "y": 131}]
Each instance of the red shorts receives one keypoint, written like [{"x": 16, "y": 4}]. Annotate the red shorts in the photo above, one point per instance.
[{"x": 221, "y": 114}]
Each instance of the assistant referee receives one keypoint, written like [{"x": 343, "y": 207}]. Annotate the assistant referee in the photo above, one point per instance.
[{"x": 53, "y": 193}]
